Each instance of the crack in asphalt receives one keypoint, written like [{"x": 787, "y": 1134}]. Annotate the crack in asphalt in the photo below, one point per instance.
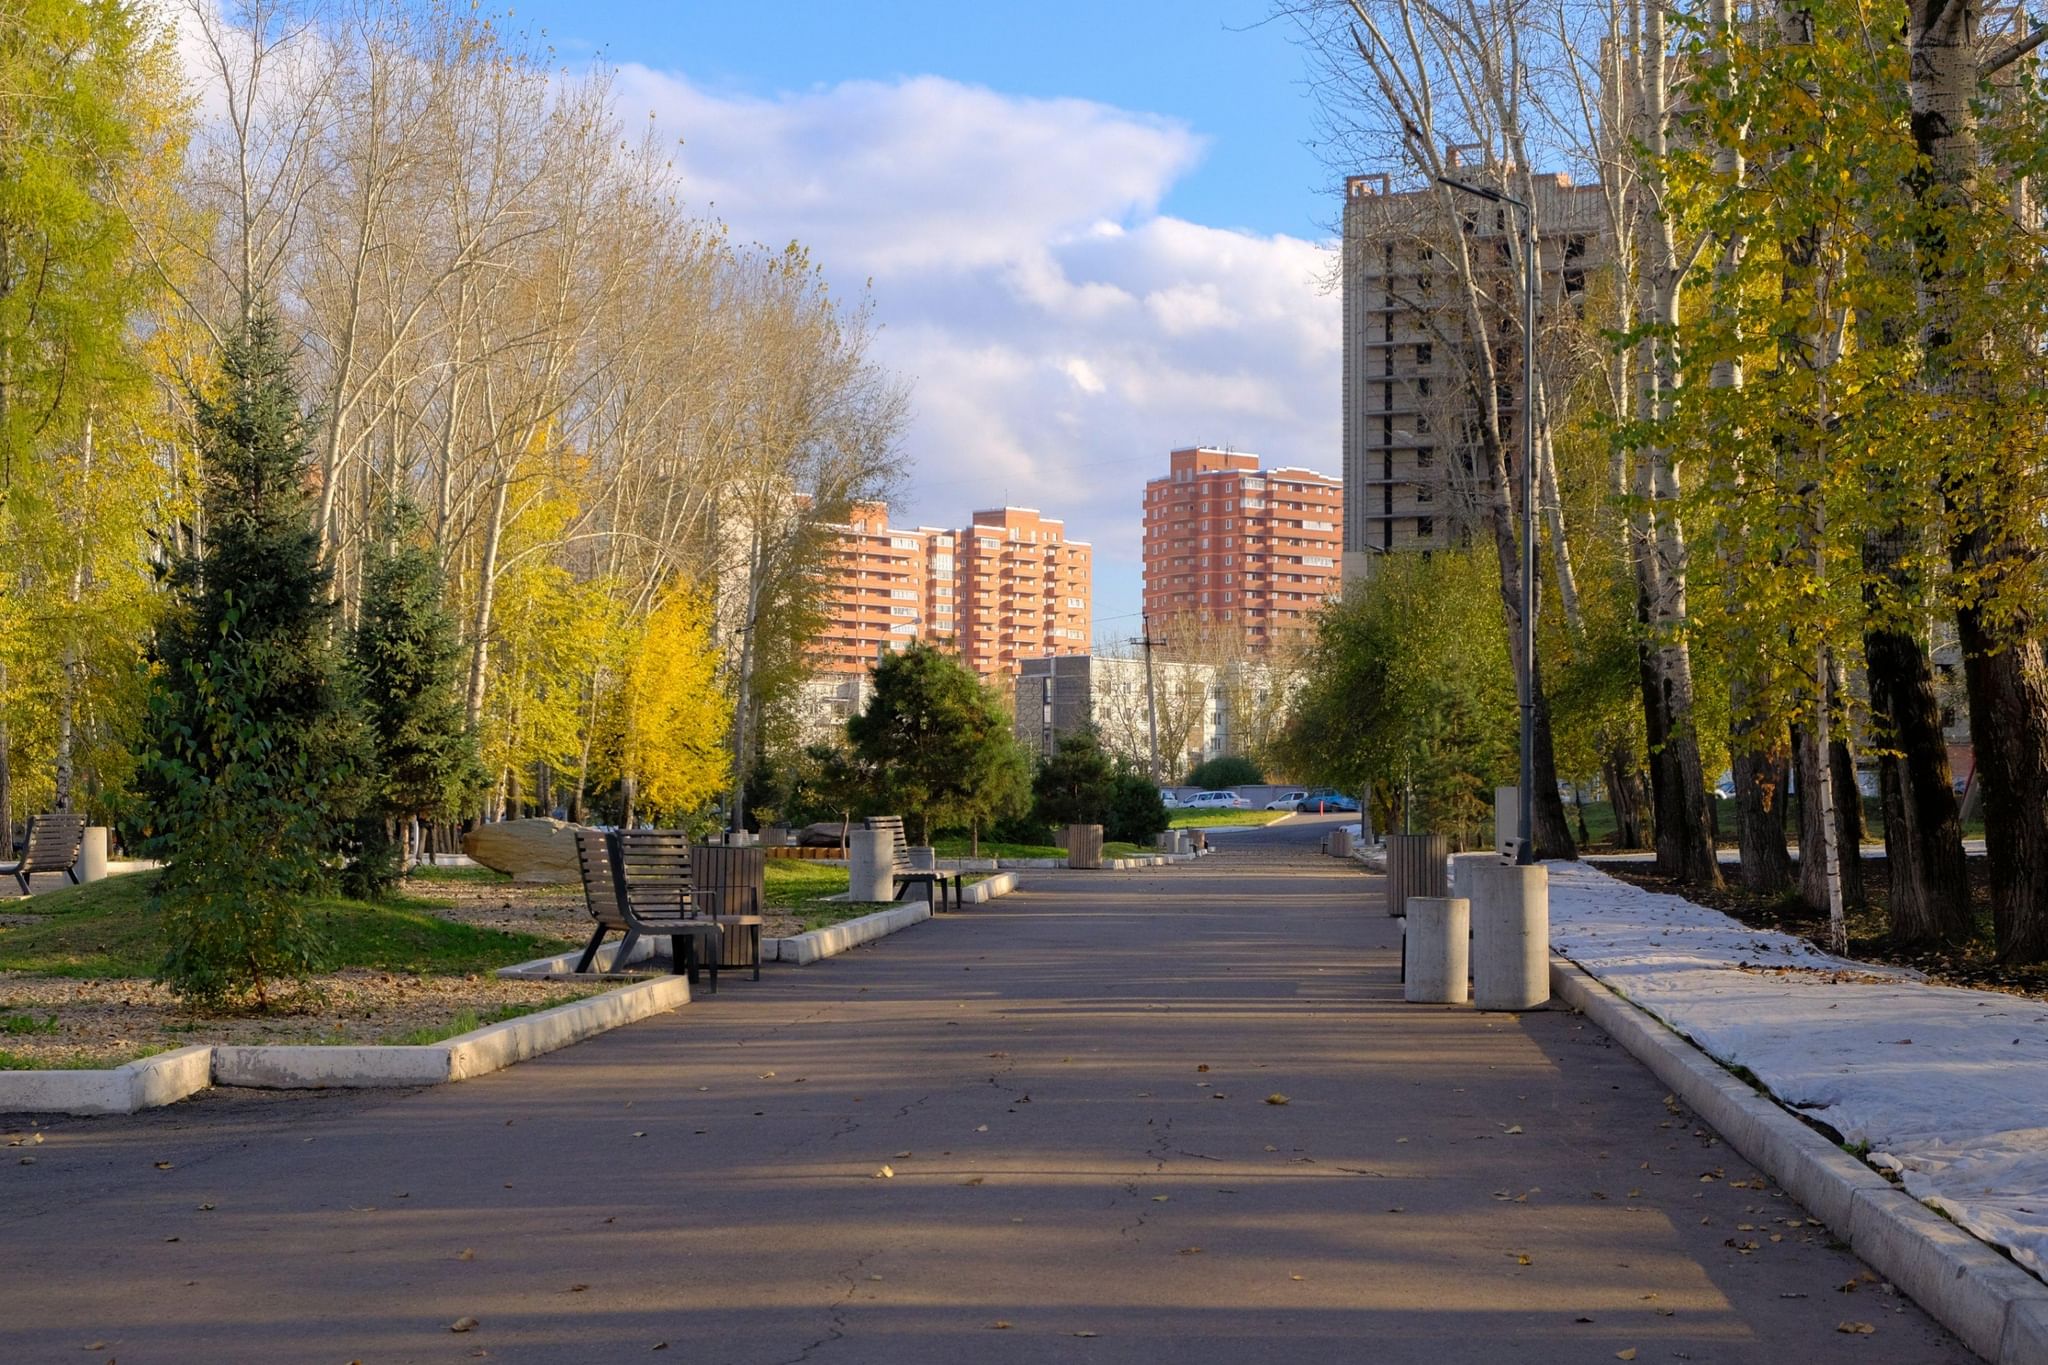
[{"x": 837, "y": 1312}]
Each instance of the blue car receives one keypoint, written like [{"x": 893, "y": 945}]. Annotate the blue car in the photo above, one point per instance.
[{"x": 1330, "y": 803}]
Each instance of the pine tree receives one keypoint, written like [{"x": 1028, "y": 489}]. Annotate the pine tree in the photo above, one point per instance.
[
  {"x": 256, "y": 757},
  {"x": 408, "y": 661},
  {"x": 938, "y": 739}
]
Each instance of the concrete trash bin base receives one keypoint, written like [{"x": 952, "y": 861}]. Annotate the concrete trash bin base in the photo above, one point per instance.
[
  {"x": 870, "y": 858},
  {"x": 1340, "y": 843},
  {"x": 1439, "y": 931},
  {"x": 1511, "y": 938}
]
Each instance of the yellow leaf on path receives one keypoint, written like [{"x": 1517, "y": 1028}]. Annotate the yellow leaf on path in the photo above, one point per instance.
[
  {"x": 972, "y": 1180},
  {"x": 1297, "y": 1277},
  {"x": 1161, "y": 1198},
  {"x": 463, "y": 1325},
  {"x": 1855, "y": 1329},
  {"x": 1522, "y": 1258},
  {"x": 999, "y": 1326},
  {"x": 1190, "y": 1251},
  {"x": 1276, "y": 1098},
  {"x": 886, "y": 1173},
  {"x": 468, "y": 1254},
  {"x": 1516, "y": 1128},
  {"x": 1629, "y": 1354},
  {"x": 1203, "y": 1067}
]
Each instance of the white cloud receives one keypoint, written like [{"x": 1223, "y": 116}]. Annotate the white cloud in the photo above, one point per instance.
[{"x": 1062, "y": 334}]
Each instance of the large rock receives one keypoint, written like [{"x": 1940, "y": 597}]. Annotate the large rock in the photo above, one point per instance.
[{"x": 531, "y": 850}]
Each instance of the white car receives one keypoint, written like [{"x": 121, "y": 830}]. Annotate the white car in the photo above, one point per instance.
[
  {"x": 1215, "y": 801},
  {"x": 1287, "y": 800},
  {"x": 1169, "y": 800}
]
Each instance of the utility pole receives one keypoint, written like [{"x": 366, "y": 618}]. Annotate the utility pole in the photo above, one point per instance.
[{"x": 1151, "y": 697}]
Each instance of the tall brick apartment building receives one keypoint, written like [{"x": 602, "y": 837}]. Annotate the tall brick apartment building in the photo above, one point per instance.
[
  {"x": 1008, "y": 586},
  {"x": 1025, "y": 590},
  {"x": 1410, "y": 477},
  {"x": 1253, "y": 549}
]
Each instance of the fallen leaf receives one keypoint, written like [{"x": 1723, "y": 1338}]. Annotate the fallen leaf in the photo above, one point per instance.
[
  {"x": 767, "y": 1075},
  {"x": 1203, "y": 1067},
  {"x": 982, "y": 1129},
  {"x": 886, "y": 1173},
  {"x": 1219, "y": 1095},
  {"x": 163, "y": 1165},
  {"x": 1855, "y": 1329},
  {"x": 469, "y": 1254},
  {"x": 1090, "y": 1334},
  {"x": 643, "y": 1132},
  {"x": 1629, "y": 1354},
  {"x": 1190, "y": 1251},
  {"x": 999, "y": 1325},
  {"x": 1297, "y": 1277},
  {"x": 463, "y": 1325},
  {"x": 1515, "y": 1128},
  {"x": 901, "y": 1155},
  {"x": 208, "y": 1208},
  {"x": 972, "y": 1180},
  {"x": 1161, "y": 1198},
  {"x": 1277, "y": 1098},
  {"x": 1522, "y": 1258},
  {"x": 579, "y": 1288},
  {"x": 659, "y": 1346}
]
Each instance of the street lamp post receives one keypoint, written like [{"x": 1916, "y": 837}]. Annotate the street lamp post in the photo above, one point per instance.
[{"x": 1525, "y": 815}]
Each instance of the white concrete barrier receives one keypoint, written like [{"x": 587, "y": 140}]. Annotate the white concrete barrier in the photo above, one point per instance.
[
  {"x": 1439, "y": 934},
  {"x": 92, "y": 854},
  {"x": 870, "y": 855},
  {"x": 1511, "y": 938}
]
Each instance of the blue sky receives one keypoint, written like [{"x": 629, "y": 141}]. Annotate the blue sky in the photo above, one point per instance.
[{"x": 1093, "y": 230}]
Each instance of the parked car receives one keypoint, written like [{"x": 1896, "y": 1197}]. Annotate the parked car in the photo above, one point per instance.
[
  {"x": 1169, "y": 800},
  {"x": 1287, "y": 800},
  {"x": 1215, "y": 801},
  {"x": 1330, "y": 804}
]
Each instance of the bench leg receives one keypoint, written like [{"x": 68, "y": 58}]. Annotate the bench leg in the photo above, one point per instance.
[{"x": 590, "y": 949}]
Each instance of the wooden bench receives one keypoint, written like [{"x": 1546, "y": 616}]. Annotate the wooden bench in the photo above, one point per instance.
[
  {"x": 905, "y": 874},
  {"x": 637, "y": 883},
  {"x": 53, "y": 844}
]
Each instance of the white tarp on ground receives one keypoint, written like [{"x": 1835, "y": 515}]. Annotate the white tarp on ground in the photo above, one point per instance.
[{"x": 1948, "y": 1087}]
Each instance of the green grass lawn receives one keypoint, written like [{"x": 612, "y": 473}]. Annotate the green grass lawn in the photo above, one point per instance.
[
  {"x": 957, "y": 846},
  {"x": 1211, "y": 819},
  {"x": 1118, "y": 849},
  {"x": 105, "y": 929}
]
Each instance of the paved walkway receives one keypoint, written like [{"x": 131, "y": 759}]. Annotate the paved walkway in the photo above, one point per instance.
[{"x": 1070, "y": 1087}]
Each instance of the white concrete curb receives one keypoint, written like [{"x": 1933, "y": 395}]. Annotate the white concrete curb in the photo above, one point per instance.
[
  {"x": 1002, "y": 884},
  {"x": 476, "y": 1053},
  {"x": 833, "y": 939},
  {"x": 172, "y": 1076},
  {"x": 163, "y": 1079},
  {"x": 1998, "y": 1309}
]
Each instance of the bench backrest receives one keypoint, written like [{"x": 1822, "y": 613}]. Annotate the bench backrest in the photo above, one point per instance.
[
  {"x": 656, "y": 867},
  {"x": 898, "y": 854},
  {"x": 600, "y": 886},
  {"x": 53, "y": 842}
]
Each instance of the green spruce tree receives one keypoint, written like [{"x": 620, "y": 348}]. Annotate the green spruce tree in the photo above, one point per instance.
[
  {"x": 255, "y": 759},
  {"x": 408, "y": 662}
]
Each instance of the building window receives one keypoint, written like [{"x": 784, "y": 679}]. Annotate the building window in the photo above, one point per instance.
[{"x": 1425, "y": 526}]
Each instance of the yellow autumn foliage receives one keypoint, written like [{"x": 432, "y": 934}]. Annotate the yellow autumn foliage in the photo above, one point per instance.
[{"x": 676, "y": 714}]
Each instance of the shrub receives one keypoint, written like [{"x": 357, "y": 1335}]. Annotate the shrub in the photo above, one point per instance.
[
  {"x": 1136, "y": 814},
  {"x": 1229, "y": 770},
  {"x": 1075, "y": 785}
]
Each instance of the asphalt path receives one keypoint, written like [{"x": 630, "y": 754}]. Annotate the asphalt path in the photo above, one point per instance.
[{"x": 1179, "y": 1115}]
